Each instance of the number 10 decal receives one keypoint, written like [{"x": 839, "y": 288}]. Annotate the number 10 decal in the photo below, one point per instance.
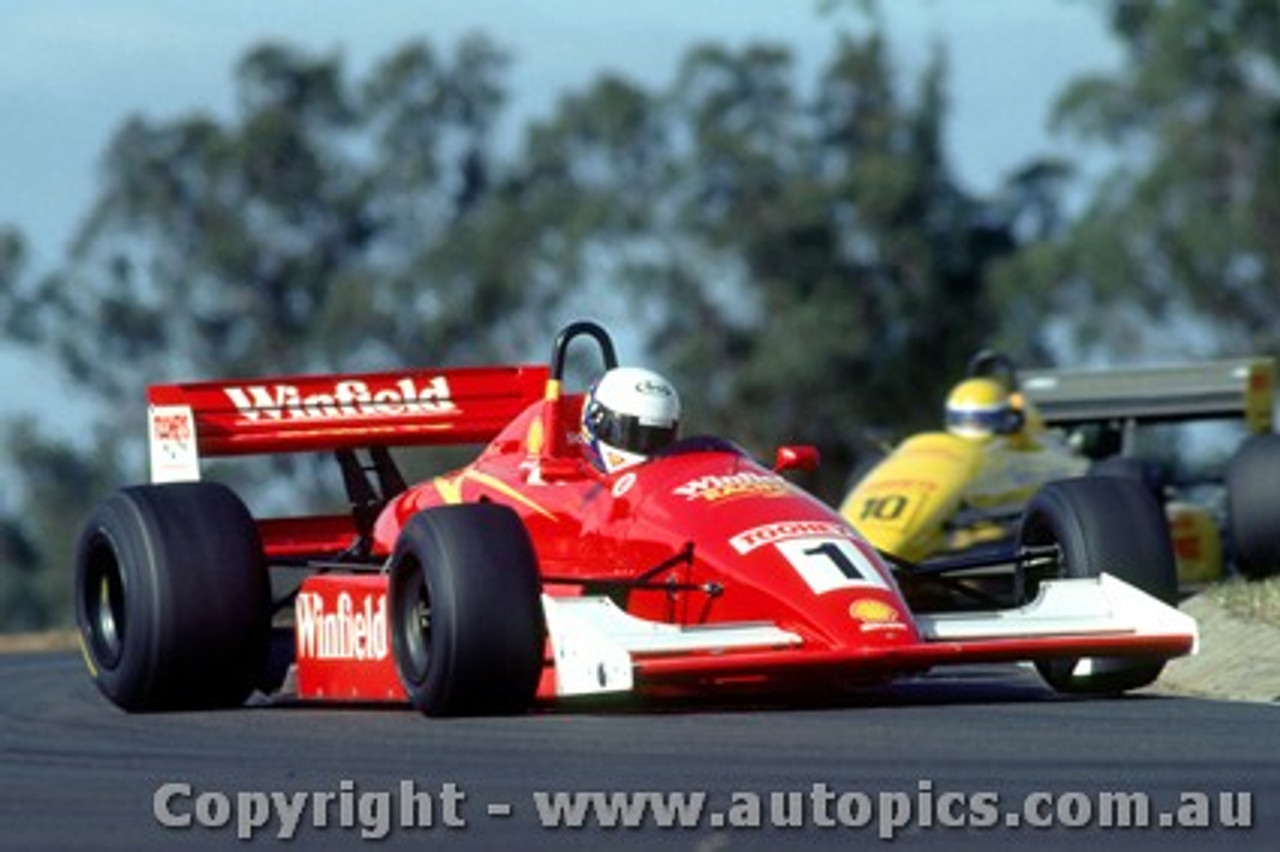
[{"x": 830, "y": 563}]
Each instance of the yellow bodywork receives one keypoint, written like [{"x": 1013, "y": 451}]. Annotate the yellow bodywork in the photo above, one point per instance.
[
  {"x": 1260, "y": 395},
  {"x": 938, "y": 493},
  {"x": 1197, "y": 543},
  {"x": 913, "y": 503}
]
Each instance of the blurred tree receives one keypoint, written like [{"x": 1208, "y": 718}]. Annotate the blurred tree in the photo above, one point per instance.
[
  {"x": 298, "y": 236},
  {"x": 57, "y": 481},
  {"x": 12, "y": 254},
  {"x": 799, "y": 259},
  {"x": 814, "y": 262},
  {"x": 1176, "y": 249},
  {"x": 22, "y": 606}
]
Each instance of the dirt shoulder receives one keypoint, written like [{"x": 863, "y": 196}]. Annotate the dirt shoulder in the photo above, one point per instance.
[
  {"x": 52, "y": 640},
  {"x": 1239, "y": 657}
]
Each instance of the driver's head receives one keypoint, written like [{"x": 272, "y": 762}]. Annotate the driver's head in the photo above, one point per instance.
[
  {"x": 628, "y": 415},
  {"x": 981, "y": 408}
]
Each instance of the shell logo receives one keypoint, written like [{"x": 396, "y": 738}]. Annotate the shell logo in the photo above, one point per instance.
[{"x": 872, "y": 611}]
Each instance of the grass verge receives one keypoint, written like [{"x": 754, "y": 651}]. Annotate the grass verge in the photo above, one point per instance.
[{"x": 1250, "y": 600}]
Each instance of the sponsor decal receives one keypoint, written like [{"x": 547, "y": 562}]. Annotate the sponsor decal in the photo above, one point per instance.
[
  {"x": 615, "y": 459},
  {"x": 649, "y": 387},
  {"x": 932, "y": 452},
  {"x": 174, "y": 455},
  {"x": 828, "y": 563},
  {"x": 1186, "y": 538},
  {"x": 173, "y": 429},
  {"x": 350, "y": 631},
  {"x": 716, "y": 488},
  {"x": 624, "y": 483},
  {"x": 745, "y": 542},
  {"x": 872, "y": 611},
  {"x": 348, "y": 398}
]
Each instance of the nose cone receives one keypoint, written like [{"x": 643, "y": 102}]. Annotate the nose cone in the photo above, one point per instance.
[
  {"x": 832, "y": 580},
  {"x": 777, "y": 553}
]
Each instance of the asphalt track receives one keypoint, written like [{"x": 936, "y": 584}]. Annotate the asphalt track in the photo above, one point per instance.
[{"x": 79, "y": 774}]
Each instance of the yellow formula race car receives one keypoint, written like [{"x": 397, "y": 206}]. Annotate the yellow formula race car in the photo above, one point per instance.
[{"x": 967, "y": 490}]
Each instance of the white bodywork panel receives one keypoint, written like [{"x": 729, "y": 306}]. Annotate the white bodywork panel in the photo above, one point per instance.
[
  {"x": 593, "y": 642},
  {"x": 1103, "y": 604}
]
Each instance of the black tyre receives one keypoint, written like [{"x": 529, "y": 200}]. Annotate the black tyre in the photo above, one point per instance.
[
  {"x": 1148, "y": 473},
  {"x": 172, "y": 598},
  {"x": 466, "y": 612},
  {"x": 1112, "y": 525},
  {"x": 1253, "y": 506}
]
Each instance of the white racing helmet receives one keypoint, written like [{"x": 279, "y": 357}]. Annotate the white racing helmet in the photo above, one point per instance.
[{"x": 629, "y": 414}]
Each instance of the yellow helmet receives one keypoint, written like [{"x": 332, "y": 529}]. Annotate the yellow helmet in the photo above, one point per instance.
[{"x": 980, "y": 408}]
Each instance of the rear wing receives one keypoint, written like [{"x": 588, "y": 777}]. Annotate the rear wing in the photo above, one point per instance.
[
  {"x": 1239, "y": 389},
  {"x": 467, "y": 405}
]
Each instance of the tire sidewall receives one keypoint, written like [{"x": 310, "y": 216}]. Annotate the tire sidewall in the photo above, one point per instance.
[
  {"x": 116, "y": 527},
  {"x": 196, "y": 596},
  {"x": 1104, "y": 525},
  {"x": 479, "y": 569}
]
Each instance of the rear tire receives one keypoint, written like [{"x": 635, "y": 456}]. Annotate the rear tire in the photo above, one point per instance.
[
  {"x": 466, "y": 611},
  {"x": 1253, "y": 499},
  {"x": 172, "y": 598},
  {"x": 1103, "y": 524}
]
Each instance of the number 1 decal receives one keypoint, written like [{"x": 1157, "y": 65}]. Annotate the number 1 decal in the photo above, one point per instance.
[{"x": 830, "y": 563}]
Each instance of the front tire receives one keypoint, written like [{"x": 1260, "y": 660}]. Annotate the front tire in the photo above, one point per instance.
[
  {"x": 1126, "y": 467},
  {"x": 1103, "y": 524},
  {"x": 466, "y": 612},
  {"x": 172, "y": 599}
]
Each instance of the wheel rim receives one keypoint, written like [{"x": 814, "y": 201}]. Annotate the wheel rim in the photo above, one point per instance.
[
  {"x": 415, "y": 627},
  {"x": 104, "y": 608}
]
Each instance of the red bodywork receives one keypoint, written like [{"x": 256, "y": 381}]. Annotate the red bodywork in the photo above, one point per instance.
[{"x": 703, "y": 535}]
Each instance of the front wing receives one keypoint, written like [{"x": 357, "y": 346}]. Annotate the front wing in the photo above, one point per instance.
[
  {"x": 598, "y": 648},
  {"x": 343, "y": 648}
]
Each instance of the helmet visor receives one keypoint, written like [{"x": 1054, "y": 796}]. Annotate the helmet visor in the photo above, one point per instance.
[
  {"x": 626, "y": 432},
  {"x": 978, "y": 421}
]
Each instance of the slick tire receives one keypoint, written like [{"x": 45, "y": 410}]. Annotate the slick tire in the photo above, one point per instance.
[
  {"x": 1110, "y": 524},
  {"x": 172, "y": 599},
  {"x": 1126, "y": 467},
  {"x": 467, "y": 631},
  {"x": 1253, "y": 505}
]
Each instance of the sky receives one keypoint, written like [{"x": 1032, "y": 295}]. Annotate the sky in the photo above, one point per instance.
[{"x": 72, "y": 70}]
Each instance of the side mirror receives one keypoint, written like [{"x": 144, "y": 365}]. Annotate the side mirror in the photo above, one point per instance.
[{"x": 804, "y": 458}]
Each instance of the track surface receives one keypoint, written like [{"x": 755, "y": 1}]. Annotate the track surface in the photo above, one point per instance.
[{"x": 79, "y": 774}]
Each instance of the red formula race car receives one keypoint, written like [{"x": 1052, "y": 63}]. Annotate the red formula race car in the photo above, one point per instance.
[{"x": 530, "y": 575}]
